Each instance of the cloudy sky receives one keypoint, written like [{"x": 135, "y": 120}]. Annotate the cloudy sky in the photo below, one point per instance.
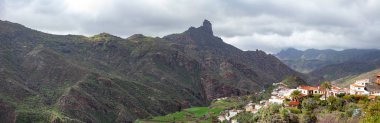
[{"x": 269, "y": 25}]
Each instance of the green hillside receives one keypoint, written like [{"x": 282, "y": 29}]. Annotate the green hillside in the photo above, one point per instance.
[{"x": 105, "y": 78}]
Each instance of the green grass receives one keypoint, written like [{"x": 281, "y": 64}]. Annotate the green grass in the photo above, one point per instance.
[
  {"x": 225, "y": 104},
  {"x": 201, "y": 111},
  {"x": 191, "y": 114},
  {"x": 199, "y": 114}
]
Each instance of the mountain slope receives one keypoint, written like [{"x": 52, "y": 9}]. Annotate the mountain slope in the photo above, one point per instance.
[
  {"x": 346, "y": 81},
  {"x": 105, "y": 78},
  {"x": 355, "y": 66}
]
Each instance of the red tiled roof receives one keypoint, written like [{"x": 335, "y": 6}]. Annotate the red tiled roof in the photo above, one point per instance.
[
  {"x": 308, "y": 87},
  {"x": 358, "y": 91},
  {"x": 371, "y": 97},
  {"x": 356, "y": 85},
  {"x": 335, "y": 88},
  {"x": 294, "y": 103}
]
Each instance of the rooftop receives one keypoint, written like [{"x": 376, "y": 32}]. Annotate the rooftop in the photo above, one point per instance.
[
  {"x": 308, "y": 87},
  {"x": 356, "y": 85},
  {"x": 294, "y": 103},
  {"x": 372, "y": 97}
]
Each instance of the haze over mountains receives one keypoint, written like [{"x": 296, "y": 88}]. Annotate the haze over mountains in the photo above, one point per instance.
[
  {"x": 105, "y": 78},
  {"x": 331, "y": 64}
]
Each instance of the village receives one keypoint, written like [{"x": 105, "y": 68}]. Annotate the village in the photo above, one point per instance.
[{"x": 282, "y": 93}]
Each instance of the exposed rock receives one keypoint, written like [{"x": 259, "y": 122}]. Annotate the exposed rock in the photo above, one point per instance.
[{"x": 207, "y": 27}]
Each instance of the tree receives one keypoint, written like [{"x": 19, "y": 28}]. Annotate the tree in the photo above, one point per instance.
[
  {"x": 271, "y": 114},
  {"x": 326, "y": 86},
  {"x": 296, "y": 95}
]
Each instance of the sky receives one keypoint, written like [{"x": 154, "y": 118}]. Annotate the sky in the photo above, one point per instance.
[{"x": 269, "y": 25}]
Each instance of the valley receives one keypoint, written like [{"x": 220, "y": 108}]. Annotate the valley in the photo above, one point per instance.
[{"x": 198, "y": 61}]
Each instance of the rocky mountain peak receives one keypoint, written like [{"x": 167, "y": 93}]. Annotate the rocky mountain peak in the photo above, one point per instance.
[{"x": 207, "y": 27}]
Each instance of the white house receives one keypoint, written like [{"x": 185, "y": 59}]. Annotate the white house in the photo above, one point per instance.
[
  {"x": 309, "y": 90},
  {"x": 250, "y": 107},
  {"x": 288, "y": 93},
  {"x": 337, "y": 90},
  {"x": 221, "y": 118},
  {"x": 232, "y": 113},
  {"x": 358, "y": 88},
  {"x": 276, "y": 100},
  {"x": 234, "y": 121}
]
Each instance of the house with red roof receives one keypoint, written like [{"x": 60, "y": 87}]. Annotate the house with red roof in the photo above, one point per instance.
[{"x": 309, "y": 90}]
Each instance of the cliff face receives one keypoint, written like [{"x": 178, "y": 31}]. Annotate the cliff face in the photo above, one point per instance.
[{"x": 104, "y": 78}]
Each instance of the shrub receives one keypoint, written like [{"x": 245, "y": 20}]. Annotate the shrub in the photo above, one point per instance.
[
  {"x": 308, "y": 118},
  {"x": 294, "y": 110},
  {"x": 309, "y": 104},
  {"x": 270, "y": 114},
  {"x": 317, "y": 97},
  {"x": 349, "y": 98},
  {"x": 349, "y": 109},
  {"x": 274, "y": 108},
  {"x": 323, "y": 102},
  {"x": 284, "y": 113},
  {"x": 245, "y": 117},
  {"x": 331, "y": 99},
  {"x": 361, "y": 97},
  {"x": 362, "y": 102},
  {"x": 341, "y": 95},
  {"x": 372, "y": 113}
]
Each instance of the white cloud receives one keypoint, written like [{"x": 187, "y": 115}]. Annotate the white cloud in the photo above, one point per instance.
[{"x": 274, "y": 42}]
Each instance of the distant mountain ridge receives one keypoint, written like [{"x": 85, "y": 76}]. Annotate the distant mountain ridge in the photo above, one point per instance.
[
  {"x": 322, "y": 65},
  {"x": 312, "y": 59},
  {"x": 105, "y": 78}
]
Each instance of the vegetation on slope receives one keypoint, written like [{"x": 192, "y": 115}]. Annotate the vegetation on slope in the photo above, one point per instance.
[
  {"x": 104, "y": 78},
  {"x": 202, "y": 114},
  {"x": 294, "y": 81},
  {"x": 344, "y": 108}
]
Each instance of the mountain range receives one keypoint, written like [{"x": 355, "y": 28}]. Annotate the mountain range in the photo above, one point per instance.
[
  {"x": 106, "y": 78},
  {"x": 330, "y": 65}
]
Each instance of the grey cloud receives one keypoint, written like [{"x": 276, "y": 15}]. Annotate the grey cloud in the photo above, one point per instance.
[{"x": 269, "y": 25}]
